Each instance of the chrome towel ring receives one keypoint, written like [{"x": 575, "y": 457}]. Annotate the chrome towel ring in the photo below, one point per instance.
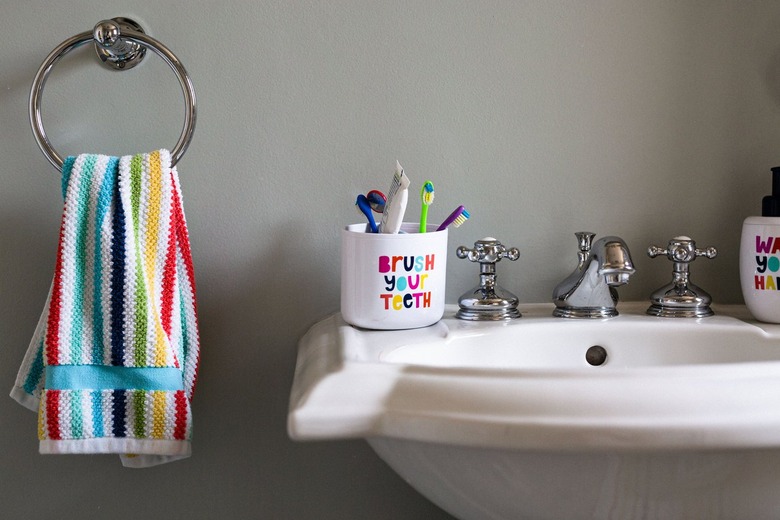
[{"x": 121, "y": 44}]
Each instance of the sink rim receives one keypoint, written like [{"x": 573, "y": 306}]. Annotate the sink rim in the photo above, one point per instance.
[
  {"x": 451, "y": 330},
  {"x": 336, "y": 395}
]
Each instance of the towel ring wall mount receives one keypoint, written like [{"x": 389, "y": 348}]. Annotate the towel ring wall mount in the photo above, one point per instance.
[
  {"x": 121, "y": 44},
  {"x": 115, "y": 51}
]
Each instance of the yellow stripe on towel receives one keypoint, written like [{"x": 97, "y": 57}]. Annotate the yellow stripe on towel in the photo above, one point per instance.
[
  {"x": 158, "y": 415},
  {"x": 152, "y": 249}
]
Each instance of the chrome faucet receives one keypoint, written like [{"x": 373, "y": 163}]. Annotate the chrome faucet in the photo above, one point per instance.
[{"x": 589, "y": 292}]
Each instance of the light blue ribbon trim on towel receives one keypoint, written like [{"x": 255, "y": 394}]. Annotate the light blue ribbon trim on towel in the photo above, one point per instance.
[{"x": 98, "y": 377}]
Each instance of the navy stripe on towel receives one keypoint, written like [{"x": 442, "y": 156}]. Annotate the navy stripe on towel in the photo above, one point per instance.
[
  {"x": 117, "y": 280},
  {"x": 118, "y": 413}
]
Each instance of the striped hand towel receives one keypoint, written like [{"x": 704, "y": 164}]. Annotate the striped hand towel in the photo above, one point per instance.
[{"x": 112, "y": 364}]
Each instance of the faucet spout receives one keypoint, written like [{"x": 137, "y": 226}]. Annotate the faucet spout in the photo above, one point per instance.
[
  {"x": 614, "y": 260},
  {"x": 589, "y": 291}
]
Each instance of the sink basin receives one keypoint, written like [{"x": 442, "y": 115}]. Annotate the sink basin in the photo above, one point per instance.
[
  {"x": 536, "y": 343},
  {"x": 629, "y": 417}
]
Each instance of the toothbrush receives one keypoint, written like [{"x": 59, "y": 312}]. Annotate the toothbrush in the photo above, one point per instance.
[
  {"x": 397, "y": 197},
  {"x": 365, "y": 208},
  {"x": 456, "y": 218},
  {"x": 426, "y": 195}
]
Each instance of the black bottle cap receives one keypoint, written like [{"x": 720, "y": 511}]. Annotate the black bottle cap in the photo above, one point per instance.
[{"x": 770, "y": 205}]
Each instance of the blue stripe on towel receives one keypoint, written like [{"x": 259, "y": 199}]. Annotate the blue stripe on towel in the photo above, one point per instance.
[
  {"x": 36, "y": 371},
  {"x": 67, "y": 169},
  {"x": 103, "y": 205},
  {"x": 97, "y": 414},
  {"x": 99, "y": 377},
  {"x": 79, "y": 216}
]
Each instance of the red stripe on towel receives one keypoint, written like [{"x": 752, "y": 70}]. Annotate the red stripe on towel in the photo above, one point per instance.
[
  {"x": 184, "y": 242},
  {"x": 183, "y": 238},
  {"x": 180, "y": 429},
  {"x": 53, "y": 323},
  {"x": 53, "y": 414},
  {"x": 168, "y": 278}
]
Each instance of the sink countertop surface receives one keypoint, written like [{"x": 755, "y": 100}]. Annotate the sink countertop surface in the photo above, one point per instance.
[{"x": 667, "y": 383}]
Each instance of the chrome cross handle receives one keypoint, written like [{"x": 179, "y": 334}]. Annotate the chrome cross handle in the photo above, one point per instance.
[
  {"x": 681, "y": 249},
  {"x": 681, "y": 298},
  {"x": 488, "y": 251},
  {"x": 488, "y": 301}
]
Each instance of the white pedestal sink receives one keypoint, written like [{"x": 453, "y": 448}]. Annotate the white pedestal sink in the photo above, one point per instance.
[{"x": 677, "y": 418}]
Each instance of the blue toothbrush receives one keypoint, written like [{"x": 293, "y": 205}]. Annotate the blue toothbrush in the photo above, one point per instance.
[{"x": 365, "y": 208}]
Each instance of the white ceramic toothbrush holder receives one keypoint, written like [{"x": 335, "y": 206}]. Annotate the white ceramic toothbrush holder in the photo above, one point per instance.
[
  {"x": 393, "y": 281},
  {"x": 759, "y": 267}
]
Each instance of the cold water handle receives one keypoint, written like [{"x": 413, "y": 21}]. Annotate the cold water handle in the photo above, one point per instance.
[
  {"x": 681, "y": 298},
  {"x": 488, "y": 301}
]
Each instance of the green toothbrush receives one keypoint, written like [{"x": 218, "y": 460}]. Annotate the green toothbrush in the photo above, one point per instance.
[{"x": 426, "y": 195}]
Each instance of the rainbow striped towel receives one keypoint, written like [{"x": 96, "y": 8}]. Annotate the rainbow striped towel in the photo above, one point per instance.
[{"x": 112, "y": 364}]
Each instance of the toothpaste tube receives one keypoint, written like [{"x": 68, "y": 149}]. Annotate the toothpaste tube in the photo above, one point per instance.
[{"x": 395, "y": 207}]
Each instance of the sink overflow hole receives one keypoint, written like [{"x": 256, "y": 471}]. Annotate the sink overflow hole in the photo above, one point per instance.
[{"x": 596, "y": 355}]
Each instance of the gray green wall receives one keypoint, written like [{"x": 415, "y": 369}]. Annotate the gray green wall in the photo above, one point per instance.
[{"x": 644, "y": 119}]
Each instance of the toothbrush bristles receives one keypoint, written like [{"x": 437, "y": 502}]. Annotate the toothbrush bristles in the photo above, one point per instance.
[
  {"x": 427, "y": 193},
  {"x": 463, "y": 217}
]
